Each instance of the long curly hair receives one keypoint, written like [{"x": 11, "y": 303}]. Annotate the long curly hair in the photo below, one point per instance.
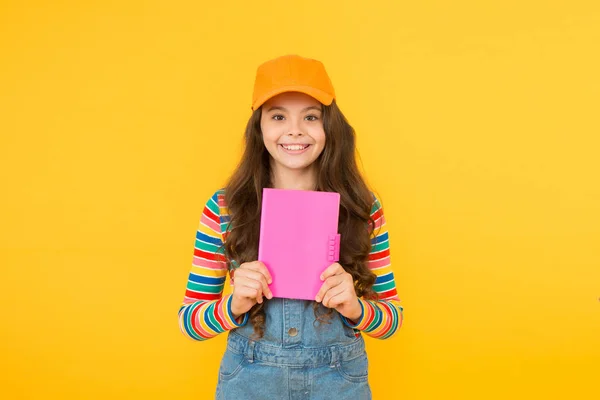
[{"x": 337, "y": 171}]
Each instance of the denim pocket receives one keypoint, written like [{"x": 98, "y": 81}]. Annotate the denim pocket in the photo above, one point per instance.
[
  {"x": 231, "y": 364},
  {"x": 355, "y": 370},
  {"x": 349, "y": 332}
]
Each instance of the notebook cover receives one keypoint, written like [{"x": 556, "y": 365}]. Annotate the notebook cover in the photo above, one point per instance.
[{"x": 298, "y": 239}]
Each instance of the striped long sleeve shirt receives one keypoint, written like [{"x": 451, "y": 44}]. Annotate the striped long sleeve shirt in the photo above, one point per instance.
[{"x": 206, "y": 312}]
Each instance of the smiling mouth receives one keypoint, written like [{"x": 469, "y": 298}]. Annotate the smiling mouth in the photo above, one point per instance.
[{"x": 295, "y": 147}]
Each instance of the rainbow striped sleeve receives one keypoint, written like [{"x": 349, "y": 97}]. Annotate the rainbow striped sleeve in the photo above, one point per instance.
[
  {"x": 205, "y": 312},
  {"x": 383, "y": 317}
]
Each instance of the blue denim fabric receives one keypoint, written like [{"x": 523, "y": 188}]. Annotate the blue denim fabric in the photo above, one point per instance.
[{"x": 295, "y": 359}]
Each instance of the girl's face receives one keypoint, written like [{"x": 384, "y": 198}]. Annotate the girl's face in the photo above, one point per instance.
[{"x": 293, "y": 119}]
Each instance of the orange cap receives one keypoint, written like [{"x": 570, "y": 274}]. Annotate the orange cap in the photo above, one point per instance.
[{"x": 292, "y": 73}]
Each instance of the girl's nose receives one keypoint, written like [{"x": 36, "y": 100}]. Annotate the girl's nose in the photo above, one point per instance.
[{"x": 295, "y": 126}]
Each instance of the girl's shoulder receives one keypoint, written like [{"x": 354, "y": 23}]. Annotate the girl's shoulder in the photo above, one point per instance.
[
  {"x": 376, "y": 205},
  {"x": 218, "y": 203}
]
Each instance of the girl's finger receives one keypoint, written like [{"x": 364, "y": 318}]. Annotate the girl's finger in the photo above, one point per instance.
[
  {"x": 337, "y": 300},
  {"x": 256, "y": 287},
  {"x": 333, "y": 269},
  {"x": 331, "y": 293},
  {"x": 246, "y": 292},
  {"x": 260, "y": 278},
  {"x": 244, "y": 281},
  {"x": 331, "y": 282},
  {"x": 260, "y": 267}
]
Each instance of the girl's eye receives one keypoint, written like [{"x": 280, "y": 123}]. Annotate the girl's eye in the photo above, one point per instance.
[{"x": 308, "y": 116}]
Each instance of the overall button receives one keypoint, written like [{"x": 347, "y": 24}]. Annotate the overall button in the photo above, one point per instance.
[{"x": 292, "y": 331}]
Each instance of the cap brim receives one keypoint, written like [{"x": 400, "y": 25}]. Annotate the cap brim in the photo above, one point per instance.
[{"x": 320, "y": 95}]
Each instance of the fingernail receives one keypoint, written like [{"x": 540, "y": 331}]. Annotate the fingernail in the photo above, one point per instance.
[
  {"x": 318, "y": 299},
  {"x": 321, "y": 277}
]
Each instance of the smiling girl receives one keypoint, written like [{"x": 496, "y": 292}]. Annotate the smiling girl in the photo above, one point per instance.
[{"x": 277, "y": 348}]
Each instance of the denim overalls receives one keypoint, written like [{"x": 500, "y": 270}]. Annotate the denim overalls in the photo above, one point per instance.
[{"x": 295, "y": 359}]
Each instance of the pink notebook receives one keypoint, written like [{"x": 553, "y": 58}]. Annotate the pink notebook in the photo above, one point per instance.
[{"x": 299, "y": 239}]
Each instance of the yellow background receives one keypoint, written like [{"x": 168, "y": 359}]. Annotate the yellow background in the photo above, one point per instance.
[{"x": 477, "y": 123}]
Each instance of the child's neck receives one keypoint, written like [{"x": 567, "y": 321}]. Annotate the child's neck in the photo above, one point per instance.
[{"x": 294, "y": 179}]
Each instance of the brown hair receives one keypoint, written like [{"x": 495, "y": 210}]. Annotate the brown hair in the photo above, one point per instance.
[{"x": 337, "y": 171}]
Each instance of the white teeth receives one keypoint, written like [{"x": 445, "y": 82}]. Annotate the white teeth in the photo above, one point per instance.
[{"x": 294, "y": 147}]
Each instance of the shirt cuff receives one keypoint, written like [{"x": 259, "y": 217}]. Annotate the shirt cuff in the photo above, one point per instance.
[
  {"x": 353, "y": 324},
  {"x": 232, "y": 322}
]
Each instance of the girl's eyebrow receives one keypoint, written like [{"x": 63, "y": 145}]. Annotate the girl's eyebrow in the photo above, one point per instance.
[{"x": 284, "y": 109}]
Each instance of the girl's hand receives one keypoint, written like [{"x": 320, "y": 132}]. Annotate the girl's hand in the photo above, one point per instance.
[
  {"x": 250, "y": 282},
  {"x": 338, "y": 292}
]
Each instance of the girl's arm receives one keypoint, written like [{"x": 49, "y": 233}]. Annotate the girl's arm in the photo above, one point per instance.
[
  {"x": 205, "y": 312},
  {"x": 382, "y": 318}
]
